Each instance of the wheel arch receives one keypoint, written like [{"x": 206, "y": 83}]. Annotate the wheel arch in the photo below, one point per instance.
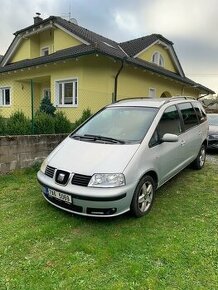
[{"x": 153, "y": 174}]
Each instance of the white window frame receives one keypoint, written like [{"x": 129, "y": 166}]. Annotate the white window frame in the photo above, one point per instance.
[
  {"x": 152, "y": 93},
  {"x": 43, "y": 50},
  {"x": 74, "y": 104},
  {"x": 157, "y": 58},
  {"x": 2, "y": 96}
]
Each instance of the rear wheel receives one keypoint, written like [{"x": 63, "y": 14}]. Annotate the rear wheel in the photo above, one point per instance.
[
  {"x": 199, "y": 162},
  {"x": 143, "y": 196}
]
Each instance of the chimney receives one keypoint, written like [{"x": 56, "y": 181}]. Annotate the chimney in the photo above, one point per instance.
[{"x": 37, "y": 18}]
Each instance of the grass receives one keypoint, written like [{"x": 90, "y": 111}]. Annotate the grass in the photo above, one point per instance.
[{"x": 174, "y": 247}]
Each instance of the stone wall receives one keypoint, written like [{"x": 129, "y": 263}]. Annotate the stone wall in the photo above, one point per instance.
[{"x": 18, "y": 152}]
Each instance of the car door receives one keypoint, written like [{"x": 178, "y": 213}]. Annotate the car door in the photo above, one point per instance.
[
  {"x": 191, "y": 135},
  {"x": 168, "y": 156}
]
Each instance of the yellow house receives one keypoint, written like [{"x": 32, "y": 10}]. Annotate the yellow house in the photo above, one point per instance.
[{"x": 79, "y": 69}]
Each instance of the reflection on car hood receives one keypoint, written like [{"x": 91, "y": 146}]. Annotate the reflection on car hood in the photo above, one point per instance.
[
  {"x": 88, "y": 158},
  {"x": 213, "y": 129}
]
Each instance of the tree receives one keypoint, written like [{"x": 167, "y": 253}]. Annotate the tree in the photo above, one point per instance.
[{"x": 46, "y": 106}]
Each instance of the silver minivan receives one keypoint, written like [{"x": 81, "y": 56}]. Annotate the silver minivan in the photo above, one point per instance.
[{"x": 117, "y": 159}]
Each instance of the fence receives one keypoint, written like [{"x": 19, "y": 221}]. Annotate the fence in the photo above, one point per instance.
[{"x": 26, "y": 97}]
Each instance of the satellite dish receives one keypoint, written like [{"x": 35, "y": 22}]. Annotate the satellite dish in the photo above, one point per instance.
[{"x": 74, "y": 21}]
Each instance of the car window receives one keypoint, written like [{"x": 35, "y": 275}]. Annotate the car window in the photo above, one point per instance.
[
  {"x": 129, "y": 124},
  {"x": 202, "y": 117},
  {"x": 169, "y": 123},
  {"x": 188, "y": 114}
]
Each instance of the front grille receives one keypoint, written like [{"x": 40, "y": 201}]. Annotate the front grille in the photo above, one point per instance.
[
  {"x": 49, "y": 171},
  {"x": 81, "y": 180}
]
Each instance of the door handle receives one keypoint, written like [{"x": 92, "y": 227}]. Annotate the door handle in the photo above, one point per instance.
[{"x": 183, "y": 142}]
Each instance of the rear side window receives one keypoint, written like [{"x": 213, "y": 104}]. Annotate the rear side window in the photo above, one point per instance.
[
  {"x": 189, "y": 116},
  {"x": 200, "y": 112}
]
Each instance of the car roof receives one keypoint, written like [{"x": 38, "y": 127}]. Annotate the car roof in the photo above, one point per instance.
[{"x": 150, "y": 102}]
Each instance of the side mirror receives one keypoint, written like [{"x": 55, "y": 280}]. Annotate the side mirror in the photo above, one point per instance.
[{"x": 170, "y": 138}]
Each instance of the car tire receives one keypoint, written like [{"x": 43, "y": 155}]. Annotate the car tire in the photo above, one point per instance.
[
  {"x": 143, "y": 197},
  {"x": 199, "y": 162}
]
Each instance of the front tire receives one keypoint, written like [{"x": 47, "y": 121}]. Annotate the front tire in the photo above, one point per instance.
[
  {"x": 143, "y": 197},
  {"x": 199, "y": 162}
]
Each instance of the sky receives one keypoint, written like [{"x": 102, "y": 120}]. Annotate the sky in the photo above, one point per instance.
[{"x": 191, "y": 25}]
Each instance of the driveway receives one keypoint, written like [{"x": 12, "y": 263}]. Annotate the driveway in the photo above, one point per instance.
[{"x": 212, "y": 157}]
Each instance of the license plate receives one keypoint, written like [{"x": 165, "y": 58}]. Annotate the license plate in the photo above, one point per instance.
[{"x": 60, "y": 195}]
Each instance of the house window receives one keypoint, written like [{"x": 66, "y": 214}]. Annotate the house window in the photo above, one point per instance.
[
  {"x": 5, "y": 96},
  {"x": 44, "y": 51},
  {"x": 157, "y": 58},
  {"x": 67, "y": 93},
  {"x": 152, "y": 93}
]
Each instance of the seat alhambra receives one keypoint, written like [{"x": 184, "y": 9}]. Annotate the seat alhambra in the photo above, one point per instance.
[{"x": 118, "y": 158}]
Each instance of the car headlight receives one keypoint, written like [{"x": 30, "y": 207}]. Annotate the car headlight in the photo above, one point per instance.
[
  {"x": 107, "y": 180},
  {"x": 44, "y": 165}
]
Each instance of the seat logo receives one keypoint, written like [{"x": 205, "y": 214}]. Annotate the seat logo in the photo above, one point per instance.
[{"x": 61, "y": 177}]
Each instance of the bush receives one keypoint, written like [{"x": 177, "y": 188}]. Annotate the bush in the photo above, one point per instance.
[
  {"x": 46, "y": 106},
  {"x": 2, "y": 126},
  {"x": 85, "y": 115},
  {"x": 62, "y": 124},
  {"x": 18, "y": 124},
  {"x": 44, "y": 123}
]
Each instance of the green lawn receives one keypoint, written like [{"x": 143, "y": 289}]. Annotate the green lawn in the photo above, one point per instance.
[{"x": 174, "y": 247}]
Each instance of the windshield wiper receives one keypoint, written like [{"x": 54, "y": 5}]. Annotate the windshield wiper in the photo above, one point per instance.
[{"x": 103, "y": 138}]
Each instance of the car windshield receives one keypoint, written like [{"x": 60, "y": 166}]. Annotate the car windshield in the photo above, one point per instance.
[
  {"x": 117, "y": 125},
  {"x": 212, "y": 119}
]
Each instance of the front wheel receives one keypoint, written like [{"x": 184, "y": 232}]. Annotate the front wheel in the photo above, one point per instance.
[
  {"x": 199, "y": 162},
  {"x": 143, "y": 196}
]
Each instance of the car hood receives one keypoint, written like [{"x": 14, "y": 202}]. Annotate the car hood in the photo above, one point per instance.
[
  {"x": 90, "y": 157},
  {"x": 213, "y": 129}
]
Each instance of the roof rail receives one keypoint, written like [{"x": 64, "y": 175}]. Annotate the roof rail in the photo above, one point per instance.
[
  {"x": 132, "y": 98},
  {"x": 150, "y": 98},
  {"x": 178, "y": 98}
]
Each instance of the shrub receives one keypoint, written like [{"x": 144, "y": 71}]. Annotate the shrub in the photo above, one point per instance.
[
  {"x": 44, "y": 123},
  {"x": 62, "y": 124},
  {"x": 18, "y": 124},
  {"x": 2, "y": 126},
  {"x": 85, "y": 115},
  {"x": 46, "y": 106}
]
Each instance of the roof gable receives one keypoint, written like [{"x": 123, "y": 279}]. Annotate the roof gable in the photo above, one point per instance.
[{"x": 137, "y": 48}]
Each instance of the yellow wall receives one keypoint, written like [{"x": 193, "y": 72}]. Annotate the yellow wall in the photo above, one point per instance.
[
  {"x": 95, "y": 74},
  {"x": 54, "y": 39},
  {"x": 46, "y": 39},
  {"x": 136, "y": 82},
  {"x": 23, "y": 51},
  {"x": 147, "y": 55},
  {"x": 63, "y": 40}
]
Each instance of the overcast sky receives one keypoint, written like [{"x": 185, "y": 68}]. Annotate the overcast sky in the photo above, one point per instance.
[{"x": 192, "y": 25}]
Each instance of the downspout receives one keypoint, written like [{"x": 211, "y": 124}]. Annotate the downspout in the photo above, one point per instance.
[{"x": 114, "y": 97}]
